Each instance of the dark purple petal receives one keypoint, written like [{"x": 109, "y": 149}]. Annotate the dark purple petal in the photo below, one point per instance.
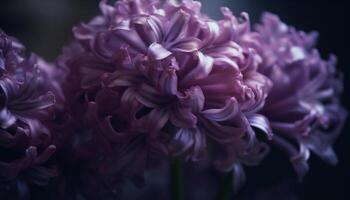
[
  {"x": 222, "y": 133},
  {"x": 25, "y": 100},
  {"x": 182, "y": 117}
]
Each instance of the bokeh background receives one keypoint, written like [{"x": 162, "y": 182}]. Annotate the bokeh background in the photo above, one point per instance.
[{"x": 44, "y": 26}]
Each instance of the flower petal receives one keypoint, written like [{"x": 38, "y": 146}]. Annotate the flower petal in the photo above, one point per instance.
[
  {"x": 262, "y": 123},
  {"x": 158, "y": 52},
  {"x": 298, "y": 158},
  {"x": 149, "y": 96},
  {"x": 6, "y": 119},
  {"x": 202, "y": 70},
  {"x": 222, "y": 133},
  {"x": 131, "y": 38},
  {"x": 108, "y": 130},
  {"x": 193, "y": 98},
  {"x": 149, "y": 29},
  {"x": 177, "y": 26},
  {"x": 168, "y": 82},
  {"x": 186, "y": 45},
  {"x": 182, "y": 117},
  {"x": 182, "y": 141},
  {"x": 229, "y": 111},
  {"x": 153, "y": 122}
]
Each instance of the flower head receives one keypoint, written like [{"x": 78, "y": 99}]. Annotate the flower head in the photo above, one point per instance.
[
  {"x": 303, "y": 105},
  {"x": 161, "y": 79},
  {"x": 25, "y": 142}
]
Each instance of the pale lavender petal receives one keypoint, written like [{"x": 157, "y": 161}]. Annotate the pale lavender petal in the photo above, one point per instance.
[
  {"x": 158, "y": 52},
  {"x": 176, "y": 27}
]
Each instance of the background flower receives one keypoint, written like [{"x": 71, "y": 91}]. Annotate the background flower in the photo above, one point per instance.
[
  {"x": 303, "y": 106},
  {"x": 25, "y": 142}
]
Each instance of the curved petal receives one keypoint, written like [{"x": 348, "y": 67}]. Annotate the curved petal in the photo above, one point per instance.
[
  {"x": 149, "y": 96},
  {"x": 45, "y": 155},
  {"x": 262, "y": 123},
  {"x": 38, "y": 103},
  {"x": 131, "y": 38},
  {"x": 168, "y": 82},
  {"x": 106, "y": 9},
  {"x": 177, "y": 26},
  {"x": 182, "y": 141},
  {"x": 145, "y": 31},
  {"x": 222, "y": 133},
  {"x": 6, "y": 119},
  {"x": 186, "y": 45},
  {"x": 230, "y": 49},
  {"x": 239, "y": 177},
  {"x": 182, "y": 117},
  {"x": 129, "y": 100},
  {"x": 153, "y": 122},
  {"x": 158, "y": 52},
  {"x": 190, "y": 142},
  {"x": 202, "y": 70},
  {"x": 8, "y": 90},
  {"x": 225, "y": 62},
  {"x": 108, "y": 130},
  {"x": 229, "y": 111},
  {"x": 193, "y": 98},
  {"x": 120, "y": 79},
  {"x": 298, "y": 158},
  {"x": 199, "y": 147},
  {"x": 211, "y": 31}
]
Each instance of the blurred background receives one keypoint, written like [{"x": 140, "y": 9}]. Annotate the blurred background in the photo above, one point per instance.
[{"x": 44, "y": 26}]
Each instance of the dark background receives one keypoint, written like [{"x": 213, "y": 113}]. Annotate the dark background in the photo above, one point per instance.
[{"x": 44, "y": 26}]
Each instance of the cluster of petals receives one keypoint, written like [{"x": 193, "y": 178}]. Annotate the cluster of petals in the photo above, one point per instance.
[
  {"x": 25, "y": 142},
  {"x": 303, "y": 106},
  {"x": 148, "y": 81},
  {"x": 151, "y": 80}
]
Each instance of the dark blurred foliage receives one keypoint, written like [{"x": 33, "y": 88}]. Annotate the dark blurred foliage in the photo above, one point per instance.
[{"x": 44, "y": 26}]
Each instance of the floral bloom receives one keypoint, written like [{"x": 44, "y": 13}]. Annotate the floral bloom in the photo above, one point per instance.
[
  {"x": 25, "y": 144},
  {"x": 148, "y": 81},
  {"x": 152, "y": 80},
  {"x": 303, "y": 105}
]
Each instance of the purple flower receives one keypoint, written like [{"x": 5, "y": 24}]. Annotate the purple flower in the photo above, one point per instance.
[
  {"x": 303, "y": 105},
  {"x": 151, "y": 80},
  {"x": 25, "y": 142}
]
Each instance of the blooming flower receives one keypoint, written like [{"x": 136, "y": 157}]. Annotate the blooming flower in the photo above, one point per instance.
[
  {"x": 149, "y": 81},
  {"x": 303, "y": 105},
  {"x": 153, "y": 80},
  {"x": 25, "y": 145}
]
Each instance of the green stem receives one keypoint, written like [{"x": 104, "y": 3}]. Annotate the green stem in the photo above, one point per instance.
[
  {"x": 177, "y": 180},
  {"x": 226, "y": 188}
]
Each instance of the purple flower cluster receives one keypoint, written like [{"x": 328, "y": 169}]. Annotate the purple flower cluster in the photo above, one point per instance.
[
  {"x": 148, "y": 81},
  {"x": 303, "y": 106},
  {"x": 157, "y": 80},
  {"x": 152, "y": 80},
  {"x": 25, "y": 143}
]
